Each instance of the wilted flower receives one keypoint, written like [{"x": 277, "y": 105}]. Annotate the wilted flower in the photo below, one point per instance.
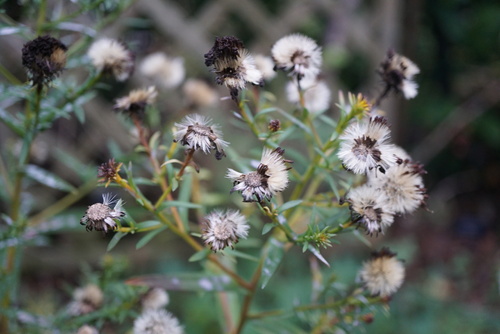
[
  {"x": 369, "y": 208},
  {"x": 232, "y": 64},
  {"x": 199, "y": 93},
  {"x": 167, "y": 71},
  {"x": 266, "y": 66},
  {"x": 274, "y": 125},
  {"x": 100, "y": 216},
  {"x": 297, "y": 54},
  {"x": 383, "y": 274},
  {"x": 108, "y": 171},
  {"x": 112, "y": 57},
  {"x": 198, "y": 133},
  {"x": 86, "y": 329},
  {"x": 44, "y": 59},
  {"x": 223, "y": 229},
  {"x": 270, "y": 177},
  {"x": 134, "y": 104},
  {"x": 365, "y": 146},
  {"x": 315, "y": 92},
  {"x": 155, "y": 298},
  {"x": 397, "y": 72},
  {"x": 157, "y": 322},
  {"x": 86, "y": 300},
  {"x": 403, "y": 185}
]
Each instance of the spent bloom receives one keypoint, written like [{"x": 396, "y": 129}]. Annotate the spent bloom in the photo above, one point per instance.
[
  {"x": 134, "y": 104},
  {"x": 366, "y": 146},
  {"x": 316, "y": 94},
  {"x": 297, "y": 54},
  {"x": 157, "y": 321},
  {"x": 232, "y": 64},
  {"x": 383, "y": 274},
  {"x": 403, "y": 186},
  {"x": 101, "y": 216},
  {"x": 44, "y": 59},
  {"x": 265, "y": 65},
  {"x": 86, "y": 329},
  {"x": 155, "y": 298},
  {"x": 369, "y": 208},
  {"x": 198, "y": 133},
  {"x": 85, "y": 300},
  {"x": 112, "y": 57},
  {"x": 270, "y": 177},
  {"x": 166, "y": 71},
  {"x": 397, "y": 72},
  {"x": 223, "y": 229},
  {"x": 108, "y": 171}
]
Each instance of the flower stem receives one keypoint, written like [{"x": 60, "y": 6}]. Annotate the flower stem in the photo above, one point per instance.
[{"x": 187, "y": 161}]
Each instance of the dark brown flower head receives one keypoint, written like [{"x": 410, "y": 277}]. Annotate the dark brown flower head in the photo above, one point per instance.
[
  {"x": 44, "y": 58},
  {"x": 274, "y": 125},
  {"x": 227, "y": 47},
  {"x": 108, "y": 171},
  {"x": 232, "y": 64},
  {"x": 397, "y": 72}
]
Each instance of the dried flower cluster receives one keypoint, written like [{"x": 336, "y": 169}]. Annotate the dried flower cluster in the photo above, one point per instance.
[
  {"x": 101, "y": 216},
  {"x": 270, "y": 177},
  {"x": 44, "y": 59},
  {"x": 224, "y": 229},
  {"x": 232, "y": 64},
  {"x": 135, "y": 103},
  {"x": 397, "y": 72},
  {"x": 383, "y": 274}
]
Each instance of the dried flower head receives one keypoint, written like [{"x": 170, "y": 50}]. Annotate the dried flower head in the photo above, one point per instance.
[
  {"x": 265, "y": 65},
  {"x": 223, "y": 229},
  {"x": 232, "y": 64},
  {"x": 108, "y": 171},
  {"x": 198, "y": 133},
  {"x": 86, "y": 329},
  {"x": 157, "y": 322},
  {"x": 166, "y": 71},
  {"x": 134, "y": 104},
  {"x": 365, "y": 146},
  {"x": 155, "y": 298},
  {"x": 44, "y": 59},
  {"x": 100, "y": 216},
  {"x": 270, "y": 177},
  {"x": 383, "y": 274},
  {"x": 369, "y": 209},
  {"x": 403, "y": 186},
  {"x": 297, "y": 54},
  {"x": 112, "y": 57},
  {"x": 397, "y": 72},
  {"x": 198, "y": 93},
  {"x": 85, "y": 300},
  {"x": 316, "y": 93},
  {"x": 274, "y": 125}
]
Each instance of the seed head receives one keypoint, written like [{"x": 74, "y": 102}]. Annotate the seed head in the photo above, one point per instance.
[
  {"x": 85, "y": 300},
  {"x": 112, "y": 57},
  {"x": 167, "y": 71},
  {"x": 383, "y": 274},
  {"x": 397, "y": 72},
  {"x": 44, "y": 59},
  {"x": 100, "y": 216},
  {"x": 108, "y": 171},
  {"x": 223, "y": 229},
  {"x": 157, "y": 321},
  {"x": 135, "y": 103}
]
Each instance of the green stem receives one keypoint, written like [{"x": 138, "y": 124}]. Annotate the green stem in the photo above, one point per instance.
[
  {"x": 42, "y": 10},
  {"x": 244, "y": 316},
  {"x": 9, "y": 76}
]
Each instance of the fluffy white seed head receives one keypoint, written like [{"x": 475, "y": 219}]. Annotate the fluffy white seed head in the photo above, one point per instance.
[
  {"x": 157, "y": 321},
  {"x": 110, "y": 56},
  {"x": 169, "y": 72},
  {"x": 224, "y": 229},
  {"x": 383, "y": 274},
  {"x": 317, "y": 95},
  {"x": 266, "y": 66}
]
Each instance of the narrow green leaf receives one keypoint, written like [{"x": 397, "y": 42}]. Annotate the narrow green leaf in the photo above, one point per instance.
[
  {"x": 147, "y": 223},
  {"x": 114, "y": 241},
  {"x": 84, "y": 171},
  {"x": 316, "y": 253},
  {"x": 148, "y": 237},
  {"x": 273, "y": 253},
  {"x": 242, "y": 255},
  {"x": 47, "y": 178},
  {"x": 289, "y": 205},
  {"x": 267, "y": 227},
  {"x": 295, "y": 121},
  {"x": 180, "y": 204},
  {"x": 186, "y": 282},
  {"x": 200, "y": 255}
]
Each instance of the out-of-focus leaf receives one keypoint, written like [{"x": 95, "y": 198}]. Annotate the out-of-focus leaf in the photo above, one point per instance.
[
  {"x": 114, "y": 241},
  {"x": 242, "y": 255},
  {"x": 147, "y": 223},
  {"x": 186, "y": 282},
  {"x": 180, "y": 204},
  {"x": 4, "y": 31},
  {"x": 273, "y": 254},
  {"x": 295, "y": 121},
  {"x": 85, "y": 171},
  {"x": 11, "y": 122},
  {"x": 289, "y": 205},
  {"x": 201, "y": 255},
  {"x": 47, "y": 178},
  {"x": 148, "y": 237},
  {"x": 267, "y": 227}
]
